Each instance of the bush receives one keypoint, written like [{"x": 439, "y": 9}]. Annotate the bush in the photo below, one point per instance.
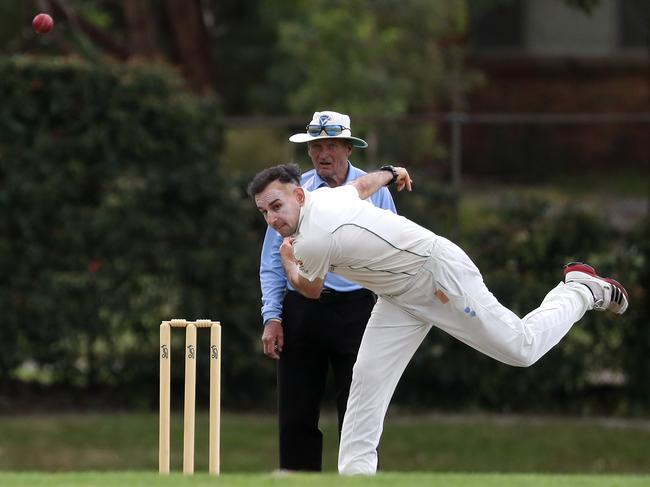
[{"x": 114, "y": 217}]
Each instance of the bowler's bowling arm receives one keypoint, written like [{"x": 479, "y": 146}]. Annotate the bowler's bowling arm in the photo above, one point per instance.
[{"x": 309, "y": 289}]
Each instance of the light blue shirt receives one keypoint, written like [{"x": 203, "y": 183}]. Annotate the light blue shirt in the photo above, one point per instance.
[{"x": 273, "y": 280}]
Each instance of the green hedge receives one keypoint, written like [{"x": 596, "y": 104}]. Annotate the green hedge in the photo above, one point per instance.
[{"x": 115, "y": 214}]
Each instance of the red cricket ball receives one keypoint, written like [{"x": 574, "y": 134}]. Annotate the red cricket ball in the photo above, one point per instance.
[{"x": 42, "y": 23}]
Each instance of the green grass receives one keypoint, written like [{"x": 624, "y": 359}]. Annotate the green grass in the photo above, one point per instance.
[
  {"x": 136, "y": 479},
  {"x": 480, "y": 444}
]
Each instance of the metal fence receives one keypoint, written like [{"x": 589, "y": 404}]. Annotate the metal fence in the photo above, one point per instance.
[{"x": 455, "y": 144}]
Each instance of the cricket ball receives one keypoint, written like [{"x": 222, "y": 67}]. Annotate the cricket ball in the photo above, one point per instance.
[{"x": 42, "y": 23}]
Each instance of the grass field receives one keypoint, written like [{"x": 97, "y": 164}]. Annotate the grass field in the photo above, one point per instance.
[
  {"x": 471, "y": 444},
  {"x": 109, "y": 479}
]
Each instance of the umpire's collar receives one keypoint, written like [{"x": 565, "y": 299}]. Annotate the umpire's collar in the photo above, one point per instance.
[{"x": 319, "y": 182}]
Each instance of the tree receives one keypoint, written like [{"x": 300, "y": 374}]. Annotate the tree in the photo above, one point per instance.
[
  {"x": 370, "y": 57},
  {"x": 150, "y": 30}
]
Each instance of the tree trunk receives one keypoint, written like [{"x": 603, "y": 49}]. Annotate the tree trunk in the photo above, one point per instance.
[
  {"x": 190, "y": 42},
  {"x": 140, "y": 29}
]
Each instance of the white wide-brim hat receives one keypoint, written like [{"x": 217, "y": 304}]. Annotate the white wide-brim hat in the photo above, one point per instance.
[{"x": 330, "y": 118}]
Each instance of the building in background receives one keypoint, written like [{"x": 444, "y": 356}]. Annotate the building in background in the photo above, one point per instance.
[{"x": 542, "y": 56}]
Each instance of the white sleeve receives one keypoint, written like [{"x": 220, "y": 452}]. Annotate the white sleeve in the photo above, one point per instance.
[
  {"x": 349, "y": 189},
  {"x": 314, "y": 256}
]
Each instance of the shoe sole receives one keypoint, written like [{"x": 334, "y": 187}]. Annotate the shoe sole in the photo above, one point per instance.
[{"x": 587, "y": 269}]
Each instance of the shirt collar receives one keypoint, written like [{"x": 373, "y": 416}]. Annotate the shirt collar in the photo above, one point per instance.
[{"x": 319, "y": 182}]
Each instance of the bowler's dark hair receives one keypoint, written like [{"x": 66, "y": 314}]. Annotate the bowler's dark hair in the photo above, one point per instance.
[{"x": 285, "y": 173}]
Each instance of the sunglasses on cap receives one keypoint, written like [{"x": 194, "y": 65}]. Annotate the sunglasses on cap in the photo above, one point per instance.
[{"x": 331, "y": 130}]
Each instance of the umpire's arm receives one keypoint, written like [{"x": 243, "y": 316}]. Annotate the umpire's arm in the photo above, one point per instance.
[{"x": 370, "y": 183}]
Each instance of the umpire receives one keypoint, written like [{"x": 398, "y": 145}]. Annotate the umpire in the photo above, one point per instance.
[{"x": 307, "y": 336}]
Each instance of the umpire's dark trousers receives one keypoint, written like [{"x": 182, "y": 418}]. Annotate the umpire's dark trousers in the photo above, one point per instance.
[{"x": 318, "y": 333}]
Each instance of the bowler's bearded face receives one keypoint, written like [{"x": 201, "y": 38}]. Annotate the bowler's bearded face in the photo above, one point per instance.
[{"x": 280, "y": 205}]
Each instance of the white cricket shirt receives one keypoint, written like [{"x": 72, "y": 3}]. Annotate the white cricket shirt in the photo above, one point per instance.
[{"x": 376, "y": 248}]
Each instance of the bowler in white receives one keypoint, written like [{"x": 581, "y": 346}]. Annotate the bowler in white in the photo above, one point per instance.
[{"x": 421, "y": 279}]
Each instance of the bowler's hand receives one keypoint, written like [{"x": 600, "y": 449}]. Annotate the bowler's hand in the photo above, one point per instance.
[
  {"x": 286, "y": 250},
  {"x": 273, "y": 339},
  {"x": 403, "y": 179}
]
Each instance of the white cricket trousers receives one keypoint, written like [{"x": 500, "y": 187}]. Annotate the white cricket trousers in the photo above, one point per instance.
[{"x": 449, "y": 293}]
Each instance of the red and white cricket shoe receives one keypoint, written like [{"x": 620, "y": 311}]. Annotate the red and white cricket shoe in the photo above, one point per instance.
[{"x": 609, "y": 295}]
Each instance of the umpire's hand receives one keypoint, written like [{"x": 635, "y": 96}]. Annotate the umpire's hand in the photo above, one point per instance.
[{"x": 273, "y": 339}]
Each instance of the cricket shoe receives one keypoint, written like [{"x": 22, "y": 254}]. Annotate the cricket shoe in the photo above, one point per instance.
[{"x": 609, "y": 295}]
